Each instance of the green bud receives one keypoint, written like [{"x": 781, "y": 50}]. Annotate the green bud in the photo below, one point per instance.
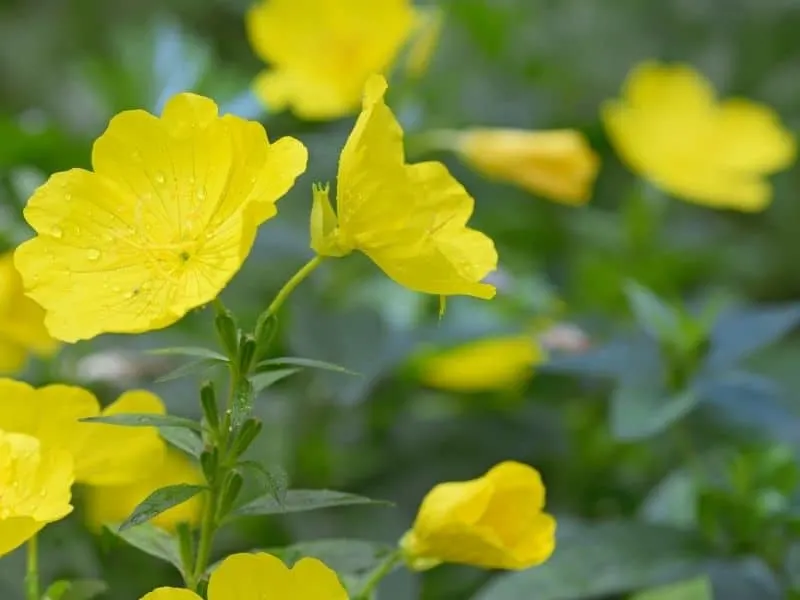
[
  {"x": 247, "y": 353},
  {"x": 230, "y": 491},
  {"x": 249, "y": 431},
  {"x": 227, "y": 331},
  {"x": 208, "y": 398},
  {"x": 266, "y": 326},
  {"x": 209, "y": 461}
]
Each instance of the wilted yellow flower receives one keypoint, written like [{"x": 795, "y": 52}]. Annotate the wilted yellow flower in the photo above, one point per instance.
[
  {"x": 411, "y": 220},
  {"x": 256, "y": 576},
  {"x": 670, "y": 128},
  {"x": 35, "y": 487},
  {"x": 114, "y": 503},
  {"x": 494, "y": 522},
  {"x": 322, "y": 52},
  {"x": 103, "y": 454},
  {"x": 160, "y": 226},
  {"x": 558, "y": 164},
  {"x": 496, "y": 363},
  {"x": 22, "y": 330}
]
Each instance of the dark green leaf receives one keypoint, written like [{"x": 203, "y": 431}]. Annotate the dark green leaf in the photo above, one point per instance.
[
  {"x": 151, "y": 540},
  {"x": 194, "y": 351},
  {"x": 603, "y": 560},
  {"x": 311, "y": 363},
  {"x": 655, "y": 316},
  {"x": 145, "y": 420},
  {"x": 265, "y": 379},
  {"x": 183, "y": 439},
  {"x": 693, "y": 589},
  {"x": 302, "y": 500},
  {"x": 192, "y": 367},
  {"x": 159, "y": 501},
  {"x": 275, "y": 479},
  {"x": 638, "y": 413}
]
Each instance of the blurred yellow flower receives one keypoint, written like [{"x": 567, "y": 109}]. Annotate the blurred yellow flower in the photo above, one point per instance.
[
  {"x": 114, "y": 503},
  {"x": 35, "y": 487},
  {"x": 669, "y": 127},
  {"x": 322, "y": 52},
  {"x": 494, "y": 522},
  {"x": 427, "y": 30},
  {"x": 411, "y": 220},
  {"x": 22, "y": 330},
  {"x": 256, "y": 576},
  {"x": 160, "y": 226},
  {"x": 557, "y": 164},
  {"x": 102, "y": 454},
  {"x": 497, "y": 363}
]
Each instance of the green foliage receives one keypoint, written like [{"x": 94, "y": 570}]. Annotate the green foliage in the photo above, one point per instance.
[{"x": 159, "y": 501}]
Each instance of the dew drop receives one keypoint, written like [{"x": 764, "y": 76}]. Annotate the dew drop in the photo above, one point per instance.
[
  {"x": 93, "y": 254},
  {"x": 67, "y": 196},
  {"x": 160, "y": 179},
  {"x": 43, "y": 494},
  {"x": 201, "y": 194},
  {"x": 57, "y": 232},
  {"x": 116, "y": 288}
]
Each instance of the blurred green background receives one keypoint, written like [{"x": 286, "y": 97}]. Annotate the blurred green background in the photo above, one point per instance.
[{"x": 645, "y": 494}]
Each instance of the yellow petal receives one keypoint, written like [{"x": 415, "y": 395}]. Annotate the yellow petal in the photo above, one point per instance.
[
  {"x": 160, "y": 227},
  {"x": 319, "y": 70},
  {"x": 170, "y": 593},
  {"x": 558, "y": 164},
  {"x": 313, "y": 580},
  {"x": 12, "y": 357},
  {"x": 114, "y": 503},
  {"x": 409, "y": 219},
  {"x": 668, "y": 90},
  {"x": 751, "y": 138},
  {"x": 16, "y": 531}
]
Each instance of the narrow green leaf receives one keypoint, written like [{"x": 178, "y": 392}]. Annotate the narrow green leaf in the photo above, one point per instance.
[
  {"x": 302, "y": 500},
  {"x": 295, "y": 361},
  {"x": 638, "y": 413},
  {"x": 265, "y": 379},
  {"x": 194, "y": 351},
  {"x": 159, "y": 501},
  {"x": 151, "y": 540},
  {"x": 146, "y": 420},
  {"x": 80, "y": 589},
  {"x": 192, "y": 367},
  {"x": 183, "y": 439},
  {"x": 655, "y": 316},
  {"x": 275, "y": 479},
  {"x": 693, "y": 589}
]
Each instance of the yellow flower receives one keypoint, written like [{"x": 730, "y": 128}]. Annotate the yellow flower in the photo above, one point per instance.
[
  {"x": 22, "y": 329},
  {"x": 494, "y": 522},
  {"x": 102, "y": 454},
  {"x": 482, "y": 365},
  {"x": 427, "y": 30},
  {"x": 322, "y": 52},
  {"x": 670, "y": 128},
  {"x": 409, "y": 219},
  {"x": 114, "y": 503},
  {"x": 256, "y": 576},
  {"x": 558, "y": 164},
  {"x": 160, "y": 226},
  {"x": 34, "y": 488}
]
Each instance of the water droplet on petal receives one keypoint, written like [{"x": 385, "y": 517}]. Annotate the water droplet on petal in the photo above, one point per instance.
[
  {"x": 57, "y": 232},
  {"x": 160, "y": 178},
  {"x": 201, "y": 194},
  {"x": 67, "y": 196},
  {"x": 116, "y": 288},
  {"x": 93, "y": 254}
]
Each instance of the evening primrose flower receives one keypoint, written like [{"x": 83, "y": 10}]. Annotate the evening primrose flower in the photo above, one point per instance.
[
  {"x": 22, "y": 330},
  {"x": 35, "y": 487},
  {"x": 322, "y": 52},
  {"x": 103, "y": 454},
  {"x": 114, "y": 503},
  {"x": 160, "y": 225},
  {"x": 411, "y": 220},
  {"x": 495, "y": 363},
  {"x": 494, "y": 522},
  {"x": 557, "y": 164},
  {"x": 256, "y": 576},
  {"x": 669, "y": 127}
]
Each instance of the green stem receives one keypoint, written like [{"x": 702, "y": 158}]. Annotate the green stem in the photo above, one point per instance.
[
  {"x": 32, "y": 570},
  {"x": 289, "y": 286},
  {"x": 378, "y": 574},
  {"x": 208, "y": 527}
]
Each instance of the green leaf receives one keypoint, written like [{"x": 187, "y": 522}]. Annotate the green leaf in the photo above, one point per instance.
[
  {"x": 673, "y": 501},
  {"x": 302, "y": 500},
  {"x": 692, "y": 589},
  {"x": 151, "y": 540},
  {"x": 195, "y": 351},
  {"x": 192, "y": 367},
  {"x": 275, "y": 479},
  {"x": 81, "y": 589},
  {"x": 242, "y": 404},
  {"x": 159, "y": 501},
  {"x": 606, "y": 559},
  {"x": 145, "y": 420},
  {"x": 639, "y": 413},
  {"x": 265, "y": 379},
  {"x": 656, "y": 317},
  {"x": 311, "y": 363},
  {"x": 183, "y": 439}
]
